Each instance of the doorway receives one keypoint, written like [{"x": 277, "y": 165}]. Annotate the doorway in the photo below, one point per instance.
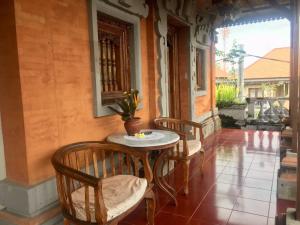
[
  {"x": 177, "y": 52},
  {"x": 173, "y": 77}
]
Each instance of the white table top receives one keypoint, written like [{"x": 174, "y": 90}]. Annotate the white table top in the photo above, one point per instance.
[{"x": 157, "y": 138}]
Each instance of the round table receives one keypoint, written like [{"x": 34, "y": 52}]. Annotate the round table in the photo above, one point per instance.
[{"x": 161, "y": 140}]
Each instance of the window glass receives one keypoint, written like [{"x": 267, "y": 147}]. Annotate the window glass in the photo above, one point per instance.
[{"x": 201, "y": 69}]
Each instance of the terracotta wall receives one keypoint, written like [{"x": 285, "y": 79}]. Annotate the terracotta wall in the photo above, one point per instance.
[
  {"x": 56, "y": 84},
  {"x": 46, "y": 95},
  {"x": 204, "y": 103}
]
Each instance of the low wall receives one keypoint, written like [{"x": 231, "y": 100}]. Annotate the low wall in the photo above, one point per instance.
[{"x": 238, "y": 112}]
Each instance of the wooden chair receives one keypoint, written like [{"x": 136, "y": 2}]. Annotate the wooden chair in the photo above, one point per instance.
[
  {"x": 190, "y": 144},
  {"x": 98, "y": 183}
]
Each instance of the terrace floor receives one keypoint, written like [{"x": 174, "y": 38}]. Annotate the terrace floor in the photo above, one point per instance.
[{"x": 238, "y": 186}]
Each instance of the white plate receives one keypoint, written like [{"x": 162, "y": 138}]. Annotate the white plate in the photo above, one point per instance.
[{"x": 150, "y": 137}]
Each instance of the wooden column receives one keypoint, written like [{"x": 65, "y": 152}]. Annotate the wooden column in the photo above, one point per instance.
[
  {"x": 294, "y": 96},
  {"x": 212, "y": 75}
]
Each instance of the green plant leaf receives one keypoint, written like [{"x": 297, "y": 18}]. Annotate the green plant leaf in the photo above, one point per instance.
[{"x": 128, "y": 105}]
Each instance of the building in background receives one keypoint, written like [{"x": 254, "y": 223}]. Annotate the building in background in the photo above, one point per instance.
[
  {"x": 267, "y": 77},
  {"x": 270, "y": 75}
]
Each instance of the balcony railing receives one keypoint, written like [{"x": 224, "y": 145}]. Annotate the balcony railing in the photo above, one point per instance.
[{"x": 267, "y": 110}]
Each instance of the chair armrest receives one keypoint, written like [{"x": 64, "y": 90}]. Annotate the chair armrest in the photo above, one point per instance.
[
  {"x": 66, "y": 177},
  {"x": 192, "y": 123},
  {"x": 74, "y": 174}
]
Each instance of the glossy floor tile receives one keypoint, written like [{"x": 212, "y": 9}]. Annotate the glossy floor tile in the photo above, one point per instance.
[
  {"x": 238, "y": 186},
  {"x": 242, "y": 218}
]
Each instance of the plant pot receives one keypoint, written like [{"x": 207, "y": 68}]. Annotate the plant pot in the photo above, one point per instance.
[{"x": 133, "y": 126}]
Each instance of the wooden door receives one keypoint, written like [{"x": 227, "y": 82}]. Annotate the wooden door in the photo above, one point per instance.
[{"x": 173, "y": 76}]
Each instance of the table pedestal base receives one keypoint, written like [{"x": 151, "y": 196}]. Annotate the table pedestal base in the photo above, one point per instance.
[{"x": 159, "y": 179}]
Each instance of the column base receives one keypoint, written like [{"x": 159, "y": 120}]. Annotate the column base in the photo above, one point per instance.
[
  {"x": 29, "y": 205},
  {"x": 50, "y": 217},
  {"x": 28, "y": 201}
]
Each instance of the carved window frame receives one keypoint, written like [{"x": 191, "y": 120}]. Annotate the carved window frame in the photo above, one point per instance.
[
  {"x": 96, "y": 6},
  {"x": 202, "y": 91},
  {"x": 114, "y": 45}
]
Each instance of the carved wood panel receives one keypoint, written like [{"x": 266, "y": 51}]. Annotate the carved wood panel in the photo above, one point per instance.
[{"x": 114, "y": 36}]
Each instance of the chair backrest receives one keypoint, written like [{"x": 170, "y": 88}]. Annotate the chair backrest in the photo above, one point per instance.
[
  {"x": 85, "y": 164},
  {"x": 192, "y": 129},
  {"x": 169, "y": 123}
]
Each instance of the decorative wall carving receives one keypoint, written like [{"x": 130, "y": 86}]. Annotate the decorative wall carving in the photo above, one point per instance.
[
  {"x": 181, "y": 8},
  {"x": 200, "y": 34},
  {"x": 136, "y": 7},
  {"x": 203, "y": 29}
]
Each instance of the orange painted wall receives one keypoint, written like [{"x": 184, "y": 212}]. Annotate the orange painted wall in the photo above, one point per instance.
[
  {"x": 203, "y": 104},
  {"x": 56, "y": 81},
  {"x": 11, "y": 105},
  {"x": 46, "y": 83}
]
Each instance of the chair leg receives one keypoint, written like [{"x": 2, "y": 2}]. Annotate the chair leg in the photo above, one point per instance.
[
  {"x": 66, "y": 222},
  {"x": 186, "y": 171},
  {"x": 202, "y": 157},
  {"x": 151, "y": 205}
]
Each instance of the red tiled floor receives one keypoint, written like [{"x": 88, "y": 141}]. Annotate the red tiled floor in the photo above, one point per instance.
[
  {"x": 218, "y": 200},
  {"x": 237, "y": 171},
  {"x": 210, "y": 213},
  {"x": 252, "y": 206},
  {"x": 242, "y": 218},
  {"x": 258, "y": 183},
  {"x": 255, "y": 194},
  {"x": 260, "y": 175},
  {"x": 186, "y": 206},
  {"x": 202, "y": 222},
  {"x": 231, "y": 179},
  {"x": 226, "y": 189},
  {"x": 238, "y": 186},
  {"x": 166, "y": 218}
]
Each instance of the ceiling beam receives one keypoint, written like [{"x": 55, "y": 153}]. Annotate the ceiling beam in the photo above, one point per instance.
[
  {"x": 276, "y": 5},
  {"x": 249, "y": 3}
]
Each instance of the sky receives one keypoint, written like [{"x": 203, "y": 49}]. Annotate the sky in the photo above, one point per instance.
[{"x": 258, "y": 38}]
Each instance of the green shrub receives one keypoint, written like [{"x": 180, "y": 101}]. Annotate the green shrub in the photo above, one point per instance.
[{"x": 226, "y": 95}]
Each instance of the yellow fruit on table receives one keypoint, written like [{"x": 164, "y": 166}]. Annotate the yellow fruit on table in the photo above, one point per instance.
[{"x": 139, "y": 135}]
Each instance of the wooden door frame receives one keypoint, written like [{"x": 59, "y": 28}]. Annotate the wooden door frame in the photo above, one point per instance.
[
  {"x": 182, "y": 73},
  {"x": 173, "y": 82},
  {"x": 294, "y": 91}
]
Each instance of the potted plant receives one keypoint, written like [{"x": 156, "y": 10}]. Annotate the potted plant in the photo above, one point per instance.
[{"x": 128, "y": 106}]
